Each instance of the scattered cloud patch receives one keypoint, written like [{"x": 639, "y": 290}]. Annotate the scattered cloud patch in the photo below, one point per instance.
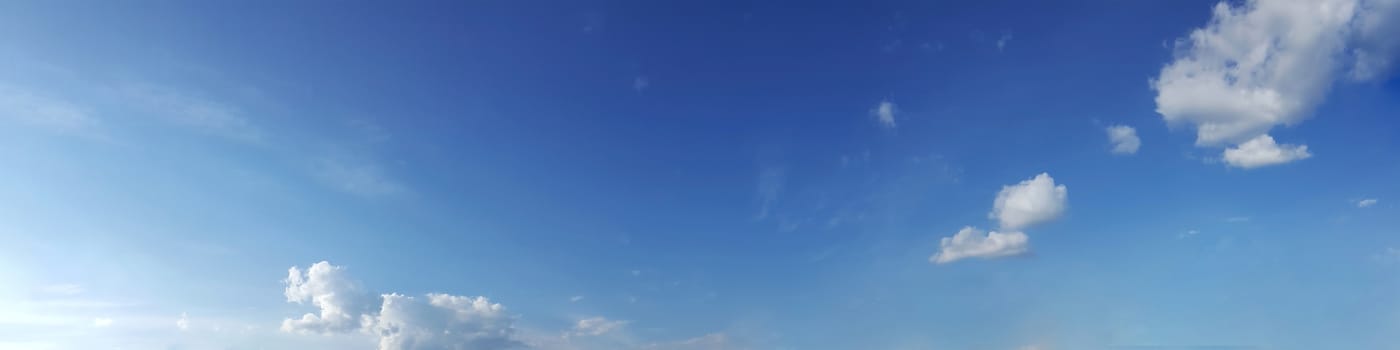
[
  {"x": 398, "y": 322},
  {"x": 66, "y": 289},
  {"x": 1124, "y": 139},
  {"x": 1262, "y": 151},
  {"x": 575, "y": 299},
  {"x": 183, "y": 323},
  {"x": 24, "y": 107},
  {"x": 1018, "y": 206},
  {"x": 1364, "y": 203},
  {"x": 1003, "y": 40},
  {"x": 1188, "y": 234},
  {"x": 884, "y": 113},
  {"x": 1265, "y": 63},
  {"x": 770, "y": 184},
  {"x": 1390, "y": 256},
  {"x": 1238, "y": 219},
  {"x": 971, "y": 242},
  {"x": 713, "y": 341},
  {"x": 341, "y": 300},
  {"x": 356, "y": 176},
  {"x": 195, "y": 112},
  {"x": 1030, "y": 202},
  {"x": 640, "y": 84},
  {"x": 596, "y": 326}
]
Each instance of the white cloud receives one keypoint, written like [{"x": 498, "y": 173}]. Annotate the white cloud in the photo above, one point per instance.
[
  {"x": 970, "y": 242},
  {"x": 640, "y": 83},
  {"x": 1266, "y": 63},
  {"x": 1188, "y": 233},
  {"x": 884, "y": 113},
  {"x": 596, "y": 326},
  {"x": 1262, "y": 151},
  {"x": 443, "y": 322},
  {"x": 1124, "y": 139},
  {"x": 399, "y": 322},
  {"x": 1018, "y": 206},
  {"x": 340, "y": 299},
  {"x": 101, "y": 322},
  {"x": 1366, "y": 202},
  {"x": 575, "y": 298},
  {"x": 183, "y": 323},
  {"x": 1030, "y": 202}
]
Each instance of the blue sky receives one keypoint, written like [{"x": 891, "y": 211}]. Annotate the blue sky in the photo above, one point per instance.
[{"x": 712, "y": 175}]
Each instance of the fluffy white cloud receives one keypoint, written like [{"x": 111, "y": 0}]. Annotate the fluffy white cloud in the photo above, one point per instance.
[
  {"x": 442, "y": 322},
  {"x": 1366, "y": 202},
  {"x": 1124, "y": 139},
  {"x": 884, "y": 113},
  {"x": 1266, "y": 63},
  {"x": 1030, "y": 202},
  {"x": 340, "y": 299},
  {"x": 1263, "y": 151},
  {"x": 973, "y": 243},
  {"x": 596, "y": 326},
  {"x": 399, "y": 322}
]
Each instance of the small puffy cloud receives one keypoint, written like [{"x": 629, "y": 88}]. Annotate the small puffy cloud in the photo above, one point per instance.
[
  {"x": 575, "y": 299},
  {"x": 1366, "y": 202},
  {"x": 340, "y": 299},
  {"x": 1003, "y": 40},
  {"x": 398, "y": 322},
  {"x": 442, "y": 322},
  {"x": 1265, "y": 63},
  {"x": 971, "y": 242},
  {"x": 1262, "y": 151},
  {"x": 640, "y": 84},
  {"x": 1030, "y": 202},
  {"x": 101, "y": 322},
  {"x": 596, "y": 326},
  {"x": 1124, "y": 139},
  {"x": 183, "y": 323},
  {"x": 884, "y": 113}
]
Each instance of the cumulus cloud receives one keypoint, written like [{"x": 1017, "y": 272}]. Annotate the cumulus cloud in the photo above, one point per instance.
[
  {"x": 1030, "y": 202},
  {"x": 1018, "y": 206},
  {"x": 884, "y": 113},
  {"x": 971, "y": 242},
  {"x": 398, "y": 322},
  {"x": 1266, "y": 63},
  {"x": 1366, "y": 202},
  {"x": 1124, "y": 139},
  {"x": 1263, "y": 151},
  {"x": 442, "y": 321},
  {"x": 596, "y": 326},
  {"x": 340, "y": 299}
]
